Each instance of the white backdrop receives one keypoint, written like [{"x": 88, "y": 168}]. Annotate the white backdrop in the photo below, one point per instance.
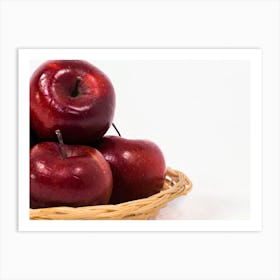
[
  {"x": 140, "y": 255},
  {"x": 198, "y": 112}
]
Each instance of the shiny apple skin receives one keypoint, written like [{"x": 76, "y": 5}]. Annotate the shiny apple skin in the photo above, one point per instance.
[
  {"x": 83, "y": 178},
  {"x": 81, "y": 119},
  {"x": 138, "y": 167}
]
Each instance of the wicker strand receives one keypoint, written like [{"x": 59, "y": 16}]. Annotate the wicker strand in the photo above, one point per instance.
[{"x": 176, "y": 184}]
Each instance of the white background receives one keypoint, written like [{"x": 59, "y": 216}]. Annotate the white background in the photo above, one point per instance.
[{"x": 140, "y": 255}]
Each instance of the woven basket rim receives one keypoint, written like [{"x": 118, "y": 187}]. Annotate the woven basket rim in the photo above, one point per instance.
[{"x": 176, "y": 184}]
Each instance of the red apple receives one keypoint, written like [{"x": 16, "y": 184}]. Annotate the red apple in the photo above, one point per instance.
[
  {"x": 138, "y": 167},
  {"x": 82, "y": 177},
  {"x": 74, "y": 96}
]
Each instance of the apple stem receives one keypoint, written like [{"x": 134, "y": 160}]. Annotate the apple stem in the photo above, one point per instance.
[
  {"x": 116, "y": 129},
  {"x": 61, "y": 144},
  {"x": 75, "y": 91}
]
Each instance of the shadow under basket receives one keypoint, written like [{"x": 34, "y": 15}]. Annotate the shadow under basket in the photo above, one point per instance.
[{"x": 176, "y": 184}]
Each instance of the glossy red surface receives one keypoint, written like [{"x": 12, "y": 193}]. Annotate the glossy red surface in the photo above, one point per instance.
[
  {"x": 83, "y": 178},
  {"x": 73, "y": 96},
  {"x": 138, "y": 167}
]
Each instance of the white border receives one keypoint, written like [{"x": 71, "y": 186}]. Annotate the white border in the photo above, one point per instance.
[{"x": 252, "y": 55}]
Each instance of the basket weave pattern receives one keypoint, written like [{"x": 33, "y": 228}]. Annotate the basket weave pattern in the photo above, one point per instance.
[{"x": 176, "y": 184}]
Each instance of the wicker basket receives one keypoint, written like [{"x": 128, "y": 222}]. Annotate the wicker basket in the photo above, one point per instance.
[{"x": 176, "y": 184}]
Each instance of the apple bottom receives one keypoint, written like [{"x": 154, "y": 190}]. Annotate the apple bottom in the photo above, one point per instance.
[
  {"x": 127, "y": 189},
  {"x": 82, "y": 178}
]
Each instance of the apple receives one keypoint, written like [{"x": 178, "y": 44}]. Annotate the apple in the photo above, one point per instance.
[
  {"x": 74, "y": 96},
  {"x": 68, "y": 175},
  {"x": 138, "y": 167}
]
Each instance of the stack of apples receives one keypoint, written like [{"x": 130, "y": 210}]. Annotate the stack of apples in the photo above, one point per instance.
[{"x": 72, "y": 160}]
